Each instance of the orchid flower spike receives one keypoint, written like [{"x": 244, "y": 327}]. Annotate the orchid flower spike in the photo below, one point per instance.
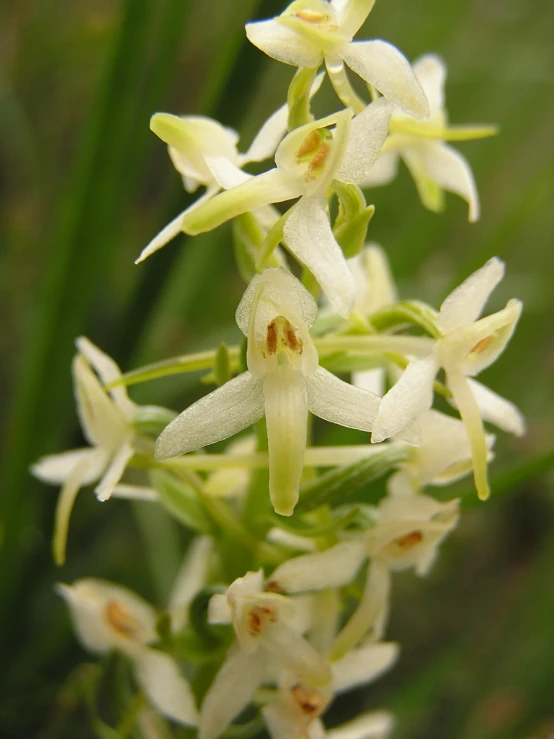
[
  {"x": 295, "y": 711},
  {"x": 311, "y": 31},
  {"x": 283, "y": 382},
  {"x": 109, "y": 617},
  {"x": 206, "y": 153},
  {"x": 308, "y": 160},
  {"x": 268, "y": 631},
  {"x": 468, "y": 345},
  {"x": 107, "y": 420},
  {"x": 434, "y": 165}
]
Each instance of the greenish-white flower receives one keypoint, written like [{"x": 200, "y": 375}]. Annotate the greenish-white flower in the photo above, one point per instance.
[
  {"x": 468, "y": 345},
  {"x": 268, "y": 628},
  {"x": 307, "y": 161},
  {"x": 108, "y": 424},
  {"x": 283, "y": 382},
  {"x": 109, "y": 617},
  {"x": 434, "y": 164},
  {"x": 309, "y": 32}
]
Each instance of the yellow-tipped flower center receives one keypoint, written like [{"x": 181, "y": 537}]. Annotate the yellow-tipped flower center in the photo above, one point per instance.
[
  {"x": 121, "y": 619},
  {"x": 281, "y": 339}
]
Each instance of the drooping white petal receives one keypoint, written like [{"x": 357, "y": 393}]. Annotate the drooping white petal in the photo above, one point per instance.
[
  {"x": 56, "y": 468},
  {"x": 371, "y": 613},
  {"x": 388, "y": 70},
  {"x": 430, "y": 70},
  {"x": 108, "y": 371},
  {"x": 96, "y": 460},
  {"x": 232, "y": 690},
  {"x": 368, "y": 132},
  {"x": 292, "y": 651},
  {"x": 309, "y": 236},
  {"x": 444, "y": 452},
  {"x": 471, "y": 416},
  {"x": 280, "y": 42},
  {"x": 224, "y": 412},
  {"x": 268, "y": 137},
  {"x": 166, "y": 688},
  {"x": 363, "y": 665},
  {"x": 412, "y": 394},
  {"x": 332, "y": 568},
  {"x": 286, "y": 414},
  {"x": 383, "y": 171},
  {"x": 108, "y": 616},
  {"x": 273, "y": 186},
  {"x": 191, "y": 578},
  {"x": 338, "y": 402},
  {"x": 374, "y": 725},
  {"x": 114, "y": 472},
  {"x": 466, "y": 302},
  {"x": 497, "y": 410},
  {"x": 446, "y": 167}
]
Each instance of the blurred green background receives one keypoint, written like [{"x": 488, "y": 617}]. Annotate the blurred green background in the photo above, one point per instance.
[{"x": 84, "y": 185}]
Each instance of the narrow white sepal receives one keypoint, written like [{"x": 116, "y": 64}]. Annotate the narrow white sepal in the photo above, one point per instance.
[
  {"x": 114, "y": 472},
  {"x": 224, "y": 412},
  {"x": 497, "y": 410},
  {"x": 363, "y": 665},
  {"x": 368, "y": 132},
  {"x": 338, "y": 402}
]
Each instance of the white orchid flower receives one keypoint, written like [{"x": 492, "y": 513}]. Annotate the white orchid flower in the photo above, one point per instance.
[
  {"x": 283, "y": 382},
  {"x": 467, "y": 346},
  {"x": 206, "y": 153},
  {"x": 311, "y": 31},
  {"x": 408, "y": 532},
  {"x": 107, "y": 420},
  {"x": 435, "y": 165},
  {"x": 268, "y": 631},
  {"x": 109, "y": 617},
  {"x": 295, "y": 712},
  {"x": 307, "y": 161}
]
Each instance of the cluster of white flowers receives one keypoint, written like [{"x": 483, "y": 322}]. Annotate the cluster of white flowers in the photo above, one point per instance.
[{"x": 278, "y": 627}]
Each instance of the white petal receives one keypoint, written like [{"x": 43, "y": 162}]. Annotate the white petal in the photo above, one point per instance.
[
  {"x": 351, "y": 14},
  {"x": 482, "y": 342},
  {"x": 279, "y": 292},
  {"x": 191, "y": 578},
  {"x": 388, "y": 70},
  {"x": 412, "y": 394},
  {"x": 375, "y": 286},
  {"x": 332, "y": 568},
  {"x": 367, "y": 726},
  {"x": 225, "y": 172},
  {"x": 219, "y": 611},
  {"x": 444, "y": 448},
  {"x": 167, "y": 689},
  {"x": 169, "y": 232},
  {"x": 363, "y": 665},
  {"x": 447, "y": 168},
  {"x": 224, "y": 412},
  {"x": 466, "y": 302},
  {"x": 292, "y": 651},
  {"x": 273, "y": 186},
  {"x": 309, "y": 236},
  {"x": 471, "y": 416},
  {"x": 108, "y": 616},
  {"x": 430, "y": 70},
  {"x": 114, "y": 472},
  {"x": 56, "y": 468},
  {"x": 108, "y": 371},
  {"x": 102, "y": 422},
  {"x": 232, "y": 690},
  {"x": 286, "y": 414},
  {"x": 497, "y": 410},
  {"x": 383, "y": 171},
  {"x": 338, "y": 402},
  {"x": 268, "y": 137},
  {"x": 368, "y": 132},
  {"x": 283, "y": 44}
]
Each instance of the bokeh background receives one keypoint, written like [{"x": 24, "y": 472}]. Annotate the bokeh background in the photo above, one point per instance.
[{"x": 84, "y": 185}]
